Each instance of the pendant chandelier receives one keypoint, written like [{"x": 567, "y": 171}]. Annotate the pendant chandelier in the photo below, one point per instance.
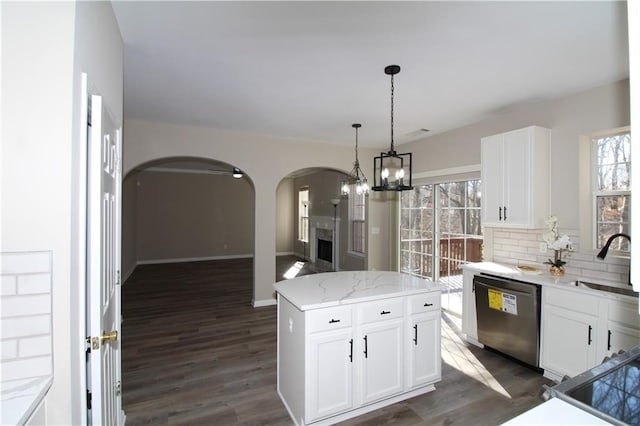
[
  {"x": 392, "y": 171},
  {"x": 356, "y": 177}
]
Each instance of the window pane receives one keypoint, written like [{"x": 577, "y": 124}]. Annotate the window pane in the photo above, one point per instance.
[
  {"x": 612, "y": 218},
  {"x": 613, "y": 157},
  {"x": 612, "y": 170}
]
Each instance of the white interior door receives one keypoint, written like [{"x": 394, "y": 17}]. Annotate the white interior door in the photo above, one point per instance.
[{"x": 103, "y": 267}]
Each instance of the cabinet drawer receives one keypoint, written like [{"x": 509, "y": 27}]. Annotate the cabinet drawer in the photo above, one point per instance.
[
  {"x": 381, "y": 310},
  {"x": 424, "y": 303},
  {"x": 329, "y": 318},
  {"x": 575, "y": 301}
]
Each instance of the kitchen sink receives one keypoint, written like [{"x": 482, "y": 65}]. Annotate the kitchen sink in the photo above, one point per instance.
[{"x": 603, "y": 287}]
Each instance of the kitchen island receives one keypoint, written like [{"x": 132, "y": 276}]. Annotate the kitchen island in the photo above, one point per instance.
[{"x": 354, "y": 341}]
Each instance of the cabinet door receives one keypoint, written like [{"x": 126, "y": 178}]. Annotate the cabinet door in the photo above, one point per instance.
[
  {"x": 517, "y": 178},
  {"x": 380, "y": 358},
  {"x": 330, "y": 385},
  {"x": 568, "y": 341},
  {"x": 492, "y": 182},
  {"x": 423, "y": 349},
  {"x": 621, "y": 338}
]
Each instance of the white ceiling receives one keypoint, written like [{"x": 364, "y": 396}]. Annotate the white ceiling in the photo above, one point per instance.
[{"x": 308, "y": 70}]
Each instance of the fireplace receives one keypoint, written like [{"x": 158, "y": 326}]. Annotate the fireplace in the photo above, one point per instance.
[
  {"x": 323, "y": 241},
  {"x": 325, "y": 250}
]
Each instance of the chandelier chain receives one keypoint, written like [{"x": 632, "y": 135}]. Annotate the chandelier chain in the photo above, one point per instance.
[{"x": 392, "y": 89}]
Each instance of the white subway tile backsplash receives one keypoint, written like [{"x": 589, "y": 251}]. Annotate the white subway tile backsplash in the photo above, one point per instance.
[
  {"x": 516, "y": 247},
  {"x": 25, "y": 263},
  {"x": 25, "y": 305},
  {"x": 8, "y": 285},
  {"x": 25, "y": 326},
  {"x": 34, "y": 283},
  {"x": 9, "y": 349},
  {"x": 34, "y": 346},
  {"x": 25, "y": 315},
  {"x": 23, "y": 368}
]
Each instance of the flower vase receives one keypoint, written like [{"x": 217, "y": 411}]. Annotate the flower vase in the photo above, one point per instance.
[{"x": 556, "y": 271}]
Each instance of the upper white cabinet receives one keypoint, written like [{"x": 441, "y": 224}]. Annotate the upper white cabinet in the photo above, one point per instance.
[{"x": 515, "y": 178}]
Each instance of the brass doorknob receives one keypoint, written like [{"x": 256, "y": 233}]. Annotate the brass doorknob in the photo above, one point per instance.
[{"x": 109, "y": 337}]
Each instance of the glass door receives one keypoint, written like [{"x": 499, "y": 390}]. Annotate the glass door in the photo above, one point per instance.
[{"x": 440, "y": 230}]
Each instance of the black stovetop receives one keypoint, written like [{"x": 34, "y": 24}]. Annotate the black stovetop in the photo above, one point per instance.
[{"x": 610, "y": 391}]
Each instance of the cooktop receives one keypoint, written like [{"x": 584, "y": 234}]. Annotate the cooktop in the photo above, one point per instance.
[{"x": 610, "y": 391}]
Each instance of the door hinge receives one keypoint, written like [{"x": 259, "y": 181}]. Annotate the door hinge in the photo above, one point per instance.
[
  {"x": 118, "y": 388},
  {"x": 117, "y": 277},
  {"x": 87, "y": 344},
  {"x": 88, "y": 399}
]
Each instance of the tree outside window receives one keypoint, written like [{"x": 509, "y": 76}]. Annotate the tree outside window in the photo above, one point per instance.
[{"x": 612, "y": 188}]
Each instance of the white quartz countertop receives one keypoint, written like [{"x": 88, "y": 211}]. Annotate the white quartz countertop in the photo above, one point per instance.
[
  {"x": 20, "y": 398},
  {"x": 544, "y": 278},
  {"x": 346, "y": 287},
  {"x": 555, "y": 412}
]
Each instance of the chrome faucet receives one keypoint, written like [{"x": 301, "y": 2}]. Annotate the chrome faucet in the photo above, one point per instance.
[{"x": 605, "y": 248}]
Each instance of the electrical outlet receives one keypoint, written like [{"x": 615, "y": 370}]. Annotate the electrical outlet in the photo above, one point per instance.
[{"x": 543, "y": 247}]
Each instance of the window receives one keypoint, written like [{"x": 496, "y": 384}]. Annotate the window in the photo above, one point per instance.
[
  {"x": 612, "y": 188},
  {"x": 357, "y": 224},
  {"x": 303, "y": 214}
]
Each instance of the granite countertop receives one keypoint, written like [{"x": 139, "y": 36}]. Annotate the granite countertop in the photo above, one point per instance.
[
  {"x": 346, "y": 287},
  {"x": 544, "y": 278}
]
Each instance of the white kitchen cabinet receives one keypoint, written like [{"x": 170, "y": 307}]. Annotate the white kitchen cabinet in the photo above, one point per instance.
[
  {"x": 424, "y": 364},
  {"x": 623, "y": 326},
  {"x": 515, "y": 178},
  {"x": 381, "y": 364},
  {"x": 579, "y": 330},
  {"x": 469, "y": 318},
  {"x": 568, "y": 341},
  {"x": 423, "y": 357},
  {"x": 337, "y": 362},
  {"x": 330, "y": 373}
]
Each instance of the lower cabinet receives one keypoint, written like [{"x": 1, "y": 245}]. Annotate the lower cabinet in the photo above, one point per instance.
[
  {"x": 381, "y": 364},
  {"x": 330, "y": 373},
  {"x": 339, "y": 362},
  {"x": 568, "y": 341},
  {"x": 579, "y": 330},
  {"x": 424, "y": 361}
]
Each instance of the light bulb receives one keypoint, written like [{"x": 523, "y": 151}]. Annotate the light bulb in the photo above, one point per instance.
[{"x": 385, "y": 173}]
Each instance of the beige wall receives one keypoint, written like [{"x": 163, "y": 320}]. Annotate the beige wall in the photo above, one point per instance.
[
  {"x": 45, "y": 48},
  {"x": 129, "y": 229},
  {"x": 286, "y": 218},
  {"x": 597, "y": 109},
  {"x": 266, "y": 160},
  {"x": 190, "y": 216},
  {"x": 601, "y": 108}
]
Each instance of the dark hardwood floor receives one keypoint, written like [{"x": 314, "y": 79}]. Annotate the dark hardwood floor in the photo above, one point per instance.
[{"x": 195, "y": 352}]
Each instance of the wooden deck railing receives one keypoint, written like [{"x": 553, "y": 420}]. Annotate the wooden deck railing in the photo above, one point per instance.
[{"x": 452, "y": 254}]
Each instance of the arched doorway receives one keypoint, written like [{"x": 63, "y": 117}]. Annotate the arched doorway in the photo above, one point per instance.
[
  {"x": 184, "y": 209},
  {"x": 310, "y": 198}
]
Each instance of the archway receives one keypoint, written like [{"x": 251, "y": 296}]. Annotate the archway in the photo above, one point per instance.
[
  {"x": 297, "y": 252},
  {"x": 181, "y": 209}
]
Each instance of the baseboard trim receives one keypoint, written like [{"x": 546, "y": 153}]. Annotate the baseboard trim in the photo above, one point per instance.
[
  {"x": 193, "y": 259},
  {"x": 262, "y": 303},
  {"x": 285, "y": 253}
]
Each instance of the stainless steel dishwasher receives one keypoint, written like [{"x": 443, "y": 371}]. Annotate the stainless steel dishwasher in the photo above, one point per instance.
[{"x": 508, "y": 314}]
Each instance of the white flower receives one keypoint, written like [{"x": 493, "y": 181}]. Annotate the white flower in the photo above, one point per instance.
[
  {"x": 552, "y": 237},
  {"x": 561, "y": 243}
]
